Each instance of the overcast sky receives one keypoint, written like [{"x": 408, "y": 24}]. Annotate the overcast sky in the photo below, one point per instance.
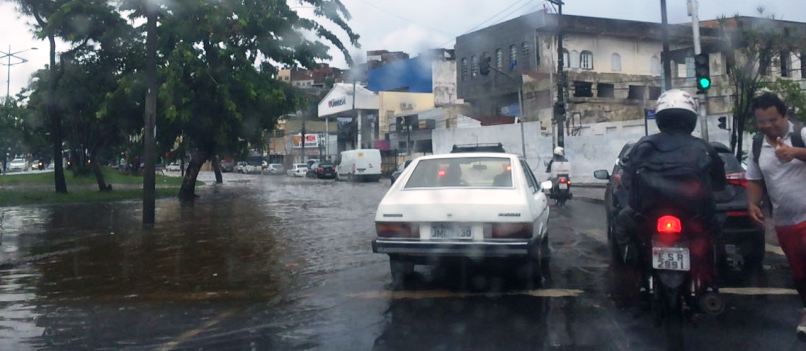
[{"x": 413, "y": 25}]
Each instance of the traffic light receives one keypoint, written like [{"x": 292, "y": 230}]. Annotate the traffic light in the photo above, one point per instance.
[
  {"x": 723, "y": 122},
  {"x": 702, "y": 72},
  {"x": 484, "y": 66}
]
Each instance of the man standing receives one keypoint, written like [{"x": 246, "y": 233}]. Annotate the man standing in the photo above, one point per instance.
[{"x": 778, "y": 166}]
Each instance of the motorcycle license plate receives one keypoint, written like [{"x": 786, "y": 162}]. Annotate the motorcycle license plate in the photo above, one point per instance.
[
  {"x": 563, "y": 186},
  {"x": 671, "y": 258}
]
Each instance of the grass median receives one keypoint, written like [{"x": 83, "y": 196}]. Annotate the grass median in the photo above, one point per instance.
[{"x": 28, "y": 189}]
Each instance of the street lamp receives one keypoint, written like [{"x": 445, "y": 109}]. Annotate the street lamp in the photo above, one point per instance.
[{"x": 9, "y": 54}]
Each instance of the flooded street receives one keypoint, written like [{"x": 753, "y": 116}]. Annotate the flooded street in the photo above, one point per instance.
[{"x": 279, "y": 263}]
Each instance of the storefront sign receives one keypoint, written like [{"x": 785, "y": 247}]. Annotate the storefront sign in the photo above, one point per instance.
[{"x": 337, "y": 102}]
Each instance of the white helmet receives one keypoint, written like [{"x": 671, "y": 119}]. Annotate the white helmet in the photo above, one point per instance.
[
  {"x": 559, "y": 151},
  {"x": 676, "y": 99},
  {"x": 676, "y": 111}
]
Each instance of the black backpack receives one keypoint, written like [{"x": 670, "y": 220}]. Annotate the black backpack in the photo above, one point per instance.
[
  {"x": 758, "y": 139},
  {"x": 676, "y": 176}
]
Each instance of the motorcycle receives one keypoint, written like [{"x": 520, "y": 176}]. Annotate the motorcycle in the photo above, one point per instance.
[
  {"x": 682, "y": 280},
  {"x": 561, "y": 189}
]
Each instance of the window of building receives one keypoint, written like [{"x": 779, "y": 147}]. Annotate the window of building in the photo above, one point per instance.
[
  {"x": 463, "y": 69},
  {"x": 803, "y": 64},
  {"x": 566, "y": 59},
  {"x": 654, "y": 93},
  {"x": 606, "y": 90},
  {"x": 574, "y": 59},
  {"x": 636, "y": 92},
  {"x": 525, "y": 52},
  {"x": 513, "y": 57},
  {"x": 474, "y": 67},
  {"x": 499, "y": 59},
  {"x": 654, "y": 65},
  {"x": 785, "y": 63},
  {"x": 615, "y": 62},
  {"x": 537, "y": 51},
  {"x": 586, "y": 60},
  {"x": 690, "y": 67},
  {"x": 583, "y": 89}
]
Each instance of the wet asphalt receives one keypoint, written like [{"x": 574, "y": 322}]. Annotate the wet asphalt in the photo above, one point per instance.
[{"x": 279, "y": 263}]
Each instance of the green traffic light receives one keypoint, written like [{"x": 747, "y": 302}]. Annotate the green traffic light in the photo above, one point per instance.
[{"x": 705, "y": 83}]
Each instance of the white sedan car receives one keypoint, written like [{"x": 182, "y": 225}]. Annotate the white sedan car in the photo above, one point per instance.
[
  {"x": 465, "y": 205},
  {"x": 18, "y": 165}
]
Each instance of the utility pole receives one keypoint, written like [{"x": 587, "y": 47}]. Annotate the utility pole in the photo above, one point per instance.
[
  {"x": 559, "y": 107},
  {"x": 667, "y": 66},
  {"x": 150, "y": 149},
  {"x": 702, "y": 97},
  {"x": 8, "y": 54}
]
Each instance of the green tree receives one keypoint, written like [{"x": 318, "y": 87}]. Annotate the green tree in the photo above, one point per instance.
[
  {"x": 217, "y": 69},
  {"x": 86, "y": 25}
]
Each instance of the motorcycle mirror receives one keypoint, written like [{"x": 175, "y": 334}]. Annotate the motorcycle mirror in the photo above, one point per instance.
[{"x": 547, "y": 185}]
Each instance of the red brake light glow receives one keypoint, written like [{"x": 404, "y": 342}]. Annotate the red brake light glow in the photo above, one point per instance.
[
  {"x": 441, "y": 173},
  {"x": 669, "y": 225},
  {"x": 512, "y": 230},
  {"x": 563, "y": 180}
]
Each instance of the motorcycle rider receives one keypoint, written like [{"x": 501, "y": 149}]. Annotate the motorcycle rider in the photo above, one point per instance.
[
  {"x": 691, "y": 193},
  {"x": 558, "y": 165}
]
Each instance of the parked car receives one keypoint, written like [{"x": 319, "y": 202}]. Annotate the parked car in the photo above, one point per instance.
[
  {"x": 744, "y": 244},
  {"x": 322, "y": 170},
  {"x": 275, "y": 169},
  {"x": 173, "y": 167},
  {"x": 360, "y": 165},
  {"x": 240, "y": 167},
  {"x": 18, "y": 165},
  {"x": 297, "y": 170},
  {"x": 467, "y": 206},
  {"x": 396, "y": 174},
  {"x": 227, "y": 165}
]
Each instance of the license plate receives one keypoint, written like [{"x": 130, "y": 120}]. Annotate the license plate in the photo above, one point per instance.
[
  {"x": 671, "y": 258},
  {"x": 451, "y": 231},
  {"x": 563, "y": 186}
]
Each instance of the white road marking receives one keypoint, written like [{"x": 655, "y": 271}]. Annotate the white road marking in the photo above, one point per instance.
[
  {"x": 774, "y": 249},
  {"x": 758, "y": 291},
  {"x": 441, "y": 294}
]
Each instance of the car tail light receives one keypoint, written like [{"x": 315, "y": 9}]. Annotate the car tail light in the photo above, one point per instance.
[
  {"x": 512, "y": 230},
  {"x": 397, "y": 230},
  {"x": 669, "y": 225},
  {"x": 441, "y": 173},
  {"x": 737, "y": 179}
]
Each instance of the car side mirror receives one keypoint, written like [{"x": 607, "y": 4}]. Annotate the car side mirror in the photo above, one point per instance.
[
  {"x": 547, "y": 185},
  {"x": 601, "y": 174}
]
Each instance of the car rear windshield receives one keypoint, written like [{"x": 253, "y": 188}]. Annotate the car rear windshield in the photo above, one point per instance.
[
  {"x": 468, "y": 172},
  {"x": 731, "y": 164}
]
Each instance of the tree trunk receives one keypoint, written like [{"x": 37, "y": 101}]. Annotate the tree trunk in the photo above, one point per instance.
[
  {"x": 99, "y": 175},
  {"x": 149, "y": 178},
  {"x": 217, "y": 169},
  {"x": 188, "y": 190},
  {"x": 58, "y": 166}
]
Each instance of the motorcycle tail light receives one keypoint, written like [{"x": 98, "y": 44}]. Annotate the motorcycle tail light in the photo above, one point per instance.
[
  {"x": 737, "y": 179},
  {"x": 564, "y": 180},
  {"x": 669, "y": 225}
]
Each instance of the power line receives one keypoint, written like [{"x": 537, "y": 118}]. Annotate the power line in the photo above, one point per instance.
[
  {"x": 507, "y": 11},
  {"x": 495, "y": 15}
]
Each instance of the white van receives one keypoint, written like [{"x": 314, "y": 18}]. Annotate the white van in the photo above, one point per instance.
[{"x": 360, "y": 165}]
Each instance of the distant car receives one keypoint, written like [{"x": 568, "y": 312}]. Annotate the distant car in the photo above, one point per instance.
[
  {"x": 464, "y": 205},
  {"x": 253, "y": 168},
  {"x": 227, "y": 165},
  {"x": 38, "y": 165},
  {"x": 396, "y": 174},
  {"x": 274, "y": 169},
  {"x": 322, "y": 170},
  {"x": 173, "y": 167},
  {"x": 744, "y": 241},
  {"x": 18, "y": 165},
  {"x": 297, "y": 170},
  {"x": 360, "y": 165},
  {"x": 240, "y": 167}
]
